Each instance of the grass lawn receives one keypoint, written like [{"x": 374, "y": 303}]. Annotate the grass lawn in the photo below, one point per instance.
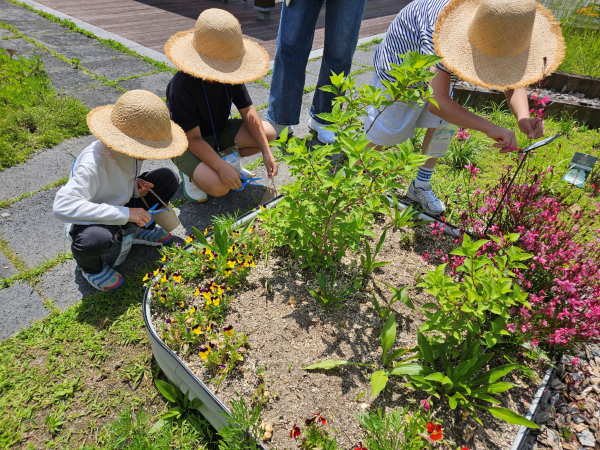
[
  {"x": 559, "y": 153},
  {"x": 31, "y": 116},
  {"x": 84, "y": 378}
]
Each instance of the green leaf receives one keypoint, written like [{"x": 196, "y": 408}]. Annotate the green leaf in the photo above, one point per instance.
[
  {"x": 452, "y": 402},
  {"x": 508, "y": 416},
  {"x": 167, "y": 390},
  {"x": 388, "y": 336},
  {"x": 330, "y": 364},
  {"x": 492, "y": 375},
  {"x": 494, "y": 388},
  {"x": 157, "y": 426},
  {"x": 426, "y": 349},
  {"x": 200, "y": 237},
  {"x": 378, "y": 381},
  {"x": 406, "y": 369}
]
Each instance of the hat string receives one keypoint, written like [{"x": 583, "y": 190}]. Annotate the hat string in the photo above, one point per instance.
[{"x": 210, "y": 114}]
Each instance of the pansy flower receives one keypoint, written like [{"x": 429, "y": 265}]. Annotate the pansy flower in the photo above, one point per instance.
[
  {"x": 147, "y": 276},
  {"x": 295, "y": 432},
  {"x": 190, "y": 238},
  {"x": 177, "y": 278},
  {"x": 228, "y": 330},
  {"x": 317, "y": 417},
  {"x": 181, "y": 304},
  {"x": 197, "y": 329},
  {"x": 435, "y": 431},
  {"x": 192, "y": 310},
  {"x": 360, "y": 447},
  {"x": 227, "y": 272},
  {"x": 196, "y": 292},
  {"x": 164, "y": 258},
  {"x": 261, "y": 207},
  {"x": 204, "y": 351},
  {"x": 156, "y": 272},
  {"x": 231, "y": 262},
  {"x": 216, "y": 301}
]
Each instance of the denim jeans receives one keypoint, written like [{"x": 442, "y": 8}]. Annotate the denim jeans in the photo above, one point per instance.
[{"x": 294, "y": 43}]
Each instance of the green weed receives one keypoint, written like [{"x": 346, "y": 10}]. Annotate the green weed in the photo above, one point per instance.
[{"x": 32, "y": 116}]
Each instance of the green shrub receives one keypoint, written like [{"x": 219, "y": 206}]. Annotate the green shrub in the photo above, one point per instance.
[{"x": 31, "y": 116}]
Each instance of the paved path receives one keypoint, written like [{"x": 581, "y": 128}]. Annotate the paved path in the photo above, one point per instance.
[{"x": 28, "y": 228}]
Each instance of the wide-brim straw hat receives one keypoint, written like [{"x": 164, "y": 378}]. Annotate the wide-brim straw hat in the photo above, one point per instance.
[
  {"x": 499, "y": 44},
  {"x": 216, "y": 51},
  {"x": 138, "y": 125}
]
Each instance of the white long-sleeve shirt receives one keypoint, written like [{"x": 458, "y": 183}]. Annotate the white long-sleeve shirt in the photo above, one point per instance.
[{"x": 101, "y": 182}]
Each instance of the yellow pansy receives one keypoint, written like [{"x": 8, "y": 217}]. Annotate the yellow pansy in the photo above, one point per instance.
[
  {"x": 164, "y": 258},
  {"x": 197, "y": 292},
  {"x": 189, "y": 239}
]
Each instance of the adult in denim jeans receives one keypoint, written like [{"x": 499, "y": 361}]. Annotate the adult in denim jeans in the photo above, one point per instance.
[{"x": 294, "y": 43}]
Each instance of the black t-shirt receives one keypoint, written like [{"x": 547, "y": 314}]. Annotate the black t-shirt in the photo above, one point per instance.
[{"x": 186, "y": 101}]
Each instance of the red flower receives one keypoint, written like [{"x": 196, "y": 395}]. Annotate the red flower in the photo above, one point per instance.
[
  {"x": 295, "y": 432},
  {"x": 360, "y": 447},
  {"x": 435, "y": 431},
  {"x": 316, "y": 417}
]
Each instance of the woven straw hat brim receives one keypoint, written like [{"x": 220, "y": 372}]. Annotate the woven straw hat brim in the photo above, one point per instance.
[
  {"x": 252, "y": 66},
  {"x": 496, "y": 72},
  {"x": 101, "y": 126}
]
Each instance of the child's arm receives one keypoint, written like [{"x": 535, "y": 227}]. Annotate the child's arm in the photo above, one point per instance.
[
  {"x": 255, "y": 127},
  {"x": 452, "y": 112},
  {"x": 519, "y": 105},
  {"x": 199, "y": 147},
  {"x": 72, "y": 202}
]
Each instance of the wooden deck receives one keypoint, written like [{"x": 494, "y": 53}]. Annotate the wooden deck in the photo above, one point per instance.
[{"x": 152, "y": 22}]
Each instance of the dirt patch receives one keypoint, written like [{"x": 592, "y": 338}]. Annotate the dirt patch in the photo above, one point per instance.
[{"x": 288, "y": 330}]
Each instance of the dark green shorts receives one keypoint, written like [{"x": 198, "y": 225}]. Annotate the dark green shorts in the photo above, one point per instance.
[{"x": 188, "y": 162}]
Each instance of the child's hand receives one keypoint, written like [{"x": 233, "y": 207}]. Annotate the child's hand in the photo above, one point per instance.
[
  {"x": 143, "y": 187},
  {"x": 504, "y": 138},
  {"x": 270, "y": 164},
  {"x": 229, "y": 176},
  {"x": 533, "y": 127},
  {"x": 139, "y": 216}
]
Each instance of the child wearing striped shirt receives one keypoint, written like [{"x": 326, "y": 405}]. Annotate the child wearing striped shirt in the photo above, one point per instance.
[{"x": 499, "y": 44}]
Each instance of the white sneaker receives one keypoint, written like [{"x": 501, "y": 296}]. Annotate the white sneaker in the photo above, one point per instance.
[
  {"x": 426, "y": 198},
  {"x": 280, "y": 128},
  {"x": 324, "y": 136},
  {"x": 192, "y": 192}
]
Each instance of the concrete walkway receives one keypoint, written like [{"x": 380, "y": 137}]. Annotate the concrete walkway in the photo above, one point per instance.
[{"x": 27, "y": 227}]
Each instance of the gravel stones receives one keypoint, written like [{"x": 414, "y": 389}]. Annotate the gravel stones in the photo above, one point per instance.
[{"x": 586, "y": 438}]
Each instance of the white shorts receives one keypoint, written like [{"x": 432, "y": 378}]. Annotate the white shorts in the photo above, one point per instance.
[{"x": 398, "y": 122}]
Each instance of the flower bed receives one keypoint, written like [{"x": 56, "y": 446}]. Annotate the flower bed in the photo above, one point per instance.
[{"x": 323, "y": 313}]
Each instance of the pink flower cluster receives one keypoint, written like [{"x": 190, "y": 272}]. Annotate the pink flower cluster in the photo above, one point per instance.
[
  {"x": 563, "y": 277},
  {"x": 539, "y": 106},
  {"x": 474, "y": 171},
  {"x": 462, "y": 134}
]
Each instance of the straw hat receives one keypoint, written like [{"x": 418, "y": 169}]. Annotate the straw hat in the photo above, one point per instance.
[
  {"x": 216, "y": 51},
  {"x": 138, "y": 125},
  {"x": 498, "y": 44}
]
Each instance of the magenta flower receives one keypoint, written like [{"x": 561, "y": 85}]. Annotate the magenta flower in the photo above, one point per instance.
[{"x": 425, "y": 404}]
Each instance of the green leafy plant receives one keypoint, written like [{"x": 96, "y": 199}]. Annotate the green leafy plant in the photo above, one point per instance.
[
  {"x": 329, "y": 207},
  {"x": 316, "y": 436},
  {"x": 397, "y": 429},
  {"x": 379, "y": 378},
  {"x": 330, "y": 296},
  {"x": 463, "y": 150},
  {"x": 398, "y": 295},
  {"x": 403, "y": 218},
  {"x": 243, "y": 429},
  {"x": 186, "y": 409},
  {"x": 480, "y": 301},
  {"x": 367, "y": 261},
  {"x": 567, "y": 124},
  {"x": 54, "y": 422},
  {"x": 461, "y": 385}
]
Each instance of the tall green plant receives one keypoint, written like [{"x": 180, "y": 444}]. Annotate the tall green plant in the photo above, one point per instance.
[
  {"x": 461, "y": 385},
  {"x": 480, "y": 301},
  {"x": 329, "y": 207}
]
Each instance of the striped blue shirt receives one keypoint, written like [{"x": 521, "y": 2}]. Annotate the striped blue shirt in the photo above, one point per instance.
[{"x": 411, "y": 30}]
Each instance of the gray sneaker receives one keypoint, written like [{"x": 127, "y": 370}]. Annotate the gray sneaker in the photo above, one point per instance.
[{"x": 432, "y": 205}]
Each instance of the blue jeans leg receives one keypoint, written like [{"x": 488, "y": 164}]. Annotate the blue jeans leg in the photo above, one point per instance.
[
  {"x": 342, "y": 27},
  {"x": 294, "y": 43}
]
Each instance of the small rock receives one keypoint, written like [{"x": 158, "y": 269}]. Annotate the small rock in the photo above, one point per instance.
[
  {"x": 553, "y": 439},
  {"x": 542, "y": 417},
  {"x": 5, "y": 215},
  {"x": 269, "y": 427},
  {"x": 469, "y": 431},
  {"x": 577, "y": 419},
  {"x": 586, "y": 438},
  {"x": 556, "y": 384},
  {"x": 577, "y": 376},
  {"x": 278, "y": 287},
  {"x": 364, "y": 406}
]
